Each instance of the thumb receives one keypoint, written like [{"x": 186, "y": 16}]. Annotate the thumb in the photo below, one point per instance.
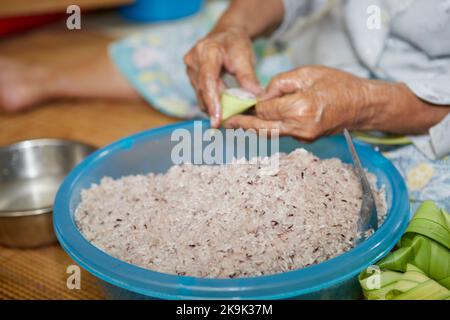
[{"x": 282, "y": 84}]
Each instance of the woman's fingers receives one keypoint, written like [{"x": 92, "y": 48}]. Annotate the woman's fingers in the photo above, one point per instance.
[
  {"x": 193, "y": 72},
  {"x": 240, "y": 64},
  {"x": 292, "y": 81},
  {"x": 308, "y": 103},
  {"x": 228, "y": 50},
  {"x": 192, "y": 75},
  {"x": 276, "y": 109},
  {"x": 240, "y": 61},
  {"x": 269, "y": 109},
  {"x": 247, "y": 78},
  {"x": 253, "y": 122},
  {"x": 209, "y": 82},
  {"x": 190, "y": 60},
  {"x": 204, "y": 63}
]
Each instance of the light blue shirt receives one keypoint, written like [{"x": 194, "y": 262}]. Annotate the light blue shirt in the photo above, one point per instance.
[{"x": 397, "y": 40}]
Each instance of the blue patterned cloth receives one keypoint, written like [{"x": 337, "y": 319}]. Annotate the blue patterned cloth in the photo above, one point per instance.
[
  {"x": 426, "y": 179},
  {"x": 153, "y": 63}
]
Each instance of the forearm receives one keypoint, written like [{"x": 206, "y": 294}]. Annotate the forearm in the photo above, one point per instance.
[
  {"x": 257, "y": 17},
  {"x": 394, "y": 108}
]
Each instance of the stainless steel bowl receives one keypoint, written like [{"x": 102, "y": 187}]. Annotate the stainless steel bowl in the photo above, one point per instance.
[{"x": 30, "y": 174}]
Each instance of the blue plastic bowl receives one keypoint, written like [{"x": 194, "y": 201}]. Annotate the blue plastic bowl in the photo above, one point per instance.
[
  {"x": 150, "y": 151},
  {"x": 157, "y": 10}
]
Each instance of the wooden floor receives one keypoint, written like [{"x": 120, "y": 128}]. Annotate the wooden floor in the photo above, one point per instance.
[{"x": 41, "y": 273}]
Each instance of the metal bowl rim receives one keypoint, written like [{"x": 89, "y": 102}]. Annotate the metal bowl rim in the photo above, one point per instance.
[
  {"x": 26, "y": 212},
  {"x": 41, "y": 142}
]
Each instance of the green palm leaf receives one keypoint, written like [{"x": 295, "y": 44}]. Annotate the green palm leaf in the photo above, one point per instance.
[{"x": 420, "y": 266}]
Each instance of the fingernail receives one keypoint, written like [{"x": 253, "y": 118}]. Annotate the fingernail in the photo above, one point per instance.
[
  {"x": 213, "y": 122},
  {"x": 218, "y": 115},
  {"x": 254, "y": 88}
]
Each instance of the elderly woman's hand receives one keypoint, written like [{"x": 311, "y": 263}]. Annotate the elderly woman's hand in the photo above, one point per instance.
[
  {"x": 228, "y": 49},
  {"x": 310, "y": 102},
  {"x": 313, "y": 101}
]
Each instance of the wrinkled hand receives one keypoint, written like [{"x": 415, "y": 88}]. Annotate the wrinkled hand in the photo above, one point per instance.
[
  {"x": 228, "y": 50},
  {"x": 310, "y": 102}
]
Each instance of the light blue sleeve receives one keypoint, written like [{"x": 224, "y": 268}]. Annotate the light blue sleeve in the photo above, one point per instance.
[
  {"x": 417, "y": 53},
  {"x": 429, "y": 79},
  {"x": 436, "y": 144}
]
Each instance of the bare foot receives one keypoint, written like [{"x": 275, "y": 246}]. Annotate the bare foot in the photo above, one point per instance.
[
  {"x": 21, "y": 85},
  {"x": 25, "y": 85}
]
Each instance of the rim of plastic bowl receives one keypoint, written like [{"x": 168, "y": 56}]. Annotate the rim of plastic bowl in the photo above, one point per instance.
[{"x": 282, "y": 285}]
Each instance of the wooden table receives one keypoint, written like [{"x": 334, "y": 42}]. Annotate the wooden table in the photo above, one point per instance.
[{"x": 41, "y": 273}]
